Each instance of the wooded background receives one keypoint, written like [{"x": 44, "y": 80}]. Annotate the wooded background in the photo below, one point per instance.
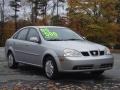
[{"x": 97, "y": 20}]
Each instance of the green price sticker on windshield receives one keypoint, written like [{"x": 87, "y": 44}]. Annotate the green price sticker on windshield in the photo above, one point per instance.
[{"x": 49, "y": 34}]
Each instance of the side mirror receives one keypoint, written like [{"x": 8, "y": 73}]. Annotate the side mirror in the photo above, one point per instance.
[
  {"x": 34, "y": 39},
  {"x": 84, "y": 38}
]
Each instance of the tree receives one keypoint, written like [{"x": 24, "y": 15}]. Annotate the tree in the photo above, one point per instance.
[
  {"x": 1, "y": 21},
  {"x": 39, "y": 8},
  {"x": 56, "y": 5},
  {"x": 56, "y": 20},
  {"x": 93, "y": 18},
  {"x": 118, "y": 11}
]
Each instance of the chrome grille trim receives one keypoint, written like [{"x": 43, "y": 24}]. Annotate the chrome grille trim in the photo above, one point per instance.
[{"x": 94, "y": 53}]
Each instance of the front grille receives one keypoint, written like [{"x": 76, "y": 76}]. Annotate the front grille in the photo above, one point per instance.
[
  {"x": 106, "y": 65},
  {"x": 85, "y": 53},
  {"x": 94, "y": 53},
  {"x": 82, "y": 67},
  {"x": 102, "y": 52}
]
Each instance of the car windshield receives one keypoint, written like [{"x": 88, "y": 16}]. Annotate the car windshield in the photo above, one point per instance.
[{"x": 59, "y": 34}]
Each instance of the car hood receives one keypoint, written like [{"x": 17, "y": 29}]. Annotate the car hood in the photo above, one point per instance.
[{"x": 77, "y": 45}]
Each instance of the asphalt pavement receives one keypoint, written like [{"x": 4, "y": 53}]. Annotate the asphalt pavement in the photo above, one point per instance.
[{"x": 33, "y": 78}]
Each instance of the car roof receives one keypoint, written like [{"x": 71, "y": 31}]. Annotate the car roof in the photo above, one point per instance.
[{"x": 45, "y": 26}]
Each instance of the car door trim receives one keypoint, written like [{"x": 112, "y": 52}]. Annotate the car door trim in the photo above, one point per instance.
[
  {"x": 27, "y": 53},
  {"x": 30, "y": 64}
]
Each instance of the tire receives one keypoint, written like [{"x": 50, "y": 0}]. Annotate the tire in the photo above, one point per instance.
[
  {"x": 97, "y": 73},
  {"x": 50, "y": 68},
  {"x": 11, "y": 61}
]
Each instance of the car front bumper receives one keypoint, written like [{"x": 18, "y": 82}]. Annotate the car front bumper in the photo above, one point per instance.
[{"x": 84, "y": 64}]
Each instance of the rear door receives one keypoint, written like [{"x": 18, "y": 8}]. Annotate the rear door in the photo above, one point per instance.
[{"x": 20, "y": 45}]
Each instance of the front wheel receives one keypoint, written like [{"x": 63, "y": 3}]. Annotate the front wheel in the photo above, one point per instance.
[
  {"x": 50, "y": 68},
  {"x": 11, "y": 61}
]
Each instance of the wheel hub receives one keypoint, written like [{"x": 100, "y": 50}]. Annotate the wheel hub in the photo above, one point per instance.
[
  {"x": 49, "y": 68},
  {"x": 10, "y": 60}
]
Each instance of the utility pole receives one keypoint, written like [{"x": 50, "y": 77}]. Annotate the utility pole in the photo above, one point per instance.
[
  {"x": 16, "y": 15},
  {"x": 3, "y": 12},
  {"x": 34, "y": 11},
  {"x": 16, "y": 5},
  {"x": 57, "y": 6},
  {"x": 0, "y": 23}
]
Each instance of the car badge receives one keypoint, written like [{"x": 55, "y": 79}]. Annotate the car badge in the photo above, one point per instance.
[{"x": 94, "y": 53}]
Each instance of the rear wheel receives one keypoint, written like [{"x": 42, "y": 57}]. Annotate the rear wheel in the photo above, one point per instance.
[
  {"x": 50, "y": 68},
  {"x": 11, "y": 61}
]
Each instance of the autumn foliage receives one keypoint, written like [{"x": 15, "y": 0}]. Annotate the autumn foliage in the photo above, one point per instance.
[{"x": 97, "y": 20}]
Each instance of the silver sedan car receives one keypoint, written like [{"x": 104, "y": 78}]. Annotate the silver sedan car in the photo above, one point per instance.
[{"x": 57, "y": 49}]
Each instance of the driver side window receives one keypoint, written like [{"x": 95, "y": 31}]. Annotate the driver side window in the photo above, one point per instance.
[{"x": 33, "y": 33}]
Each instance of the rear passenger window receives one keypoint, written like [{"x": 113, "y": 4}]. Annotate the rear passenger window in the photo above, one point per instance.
[
  {"x": 16, "y": 35},
  {"x": 22, "y": 34}
]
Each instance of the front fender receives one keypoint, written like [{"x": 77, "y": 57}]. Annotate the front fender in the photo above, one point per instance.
[{"x": 54, "y": 55}]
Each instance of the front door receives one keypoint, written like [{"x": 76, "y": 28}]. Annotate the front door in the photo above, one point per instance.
[{"x": 34, "y": 50}]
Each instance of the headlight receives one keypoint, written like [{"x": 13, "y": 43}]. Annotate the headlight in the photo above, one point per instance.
[
  {"x": 107, "y": 51},
  {"x": 72, "y": 53}
]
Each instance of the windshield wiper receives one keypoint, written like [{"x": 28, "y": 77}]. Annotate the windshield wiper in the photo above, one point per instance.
[
  {"x": 55, "y": 40},
  {"x": 72, "y": 39},
  {"x": 62, "y": 39}
]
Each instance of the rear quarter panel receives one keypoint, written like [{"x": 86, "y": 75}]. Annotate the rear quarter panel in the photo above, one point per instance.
[{"x": 9, "y": 45}]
